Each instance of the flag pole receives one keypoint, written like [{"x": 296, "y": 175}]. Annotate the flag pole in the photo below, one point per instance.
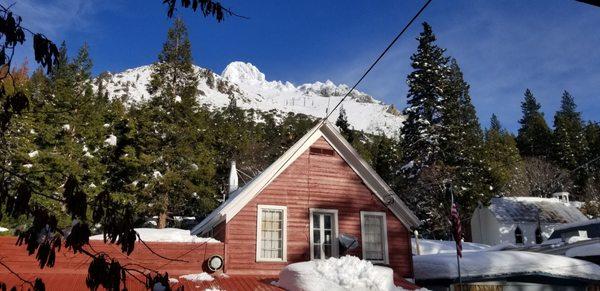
[{"x": 455, "y": 240}]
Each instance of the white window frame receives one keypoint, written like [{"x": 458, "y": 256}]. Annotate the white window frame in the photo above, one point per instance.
[
  {"x": 386, "y": 259},
  {"x": 259, "y": 211},
  {"x": 335, "y": 242}
]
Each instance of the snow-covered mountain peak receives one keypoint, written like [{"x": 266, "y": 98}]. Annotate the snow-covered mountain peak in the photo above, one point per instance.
[
  {"x": 249, "y": 87},
  {"x": 240, "y": 72}
]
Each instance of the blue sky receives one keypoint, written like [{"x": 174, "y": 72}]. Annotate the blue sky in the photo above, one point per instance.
[{"x": 503, "y": 47}]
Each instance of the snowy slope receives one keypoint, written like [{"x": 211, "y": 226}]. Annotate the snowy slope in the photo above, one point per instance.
[{"x": 250, "y": 89}]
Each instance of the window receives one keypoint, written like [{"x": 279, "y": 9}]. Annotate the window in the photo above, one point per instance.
[
  {"x": 374, "y": 236},
  {"x": 518, "y": 236},
  {"x": 323, "y": 233},
  {"x": 271, "y": 233},
  {"x": 538, "y": 235}
]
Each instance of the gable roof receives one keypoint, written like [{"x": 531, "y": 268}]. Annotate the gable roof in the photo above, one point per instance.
[
  {"x": 238, "y": 199},
  {"x": 530, "y": 209}
]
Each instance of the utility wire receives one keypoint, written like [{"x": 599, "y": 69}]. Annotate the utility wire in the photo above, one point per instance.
[
  {"x": 380, "y": 56},
  {"x": 322, "y": 121}
]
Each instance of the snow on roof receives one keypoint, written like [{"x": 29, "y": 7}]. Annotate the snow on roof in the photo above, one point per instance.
[
  {"x": 494, "y": 264},
  {"x": 345, "y": 273},
  {"x": 239, "y": 198},
  {"x": 590, "y": 250},
  {"x": 430, "y": 247},
  {"x": 578, "y": 224},
  {"x": 532, "y": 209},
  {"x": 166, "y": 235}
]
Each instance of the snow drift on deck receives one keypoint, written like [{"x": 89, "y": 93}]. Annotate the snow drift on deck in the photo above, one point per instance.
[
  {"x": 166, "y": 235},
  {"x": 345, "y": 273},
  {"x": 504, "y": 263}
]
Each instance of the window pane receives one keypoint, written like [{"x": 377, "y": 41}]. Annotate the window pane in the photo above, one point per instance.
[
  {"x": 373, "y": 237},
  {"x": 327, "y": 236},
  {"x": 316, "y": 236},
  {"x": 272, "y": 234},
  {"x": 317, "y": 251},
  {"x": 327, "y": 221},
  {"x": 327, "y": 250},
  {"x": 316, "y": 220}
]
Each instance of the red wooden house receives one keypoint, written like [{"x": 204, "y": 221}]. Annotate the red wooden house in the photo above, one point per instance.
[{"x": 300, "y": 205}]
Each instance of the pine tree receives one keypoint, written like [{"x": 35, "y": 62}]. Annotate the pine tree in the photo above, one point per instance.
[
  {"x": 569, "y": 140},
  {"x": 64, "y": 129},
  {"x": 174, "y": 139},
  {"x": 461, "y": 142},
  {"x": 534, "y": 137},
  {"x": 421, "y": 130},
  {"x": 344, "y": 126},
  {"x": 386, "y": 151},
  {"x": 501, "y": 157}
]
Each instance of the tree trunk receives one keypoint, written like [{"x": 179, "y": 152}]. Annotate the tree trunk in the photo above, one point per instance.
[{"x": 162, "y": 220}]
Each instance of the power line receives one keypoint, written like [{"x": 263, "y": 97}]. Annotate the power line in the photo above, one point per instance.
[
  {"x": 322, "y": 121},
  {"x": 380, "y": 56}
]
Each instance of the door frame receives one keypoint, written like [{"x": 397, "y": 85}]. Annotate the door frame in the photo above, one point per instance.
[{"x": 335, "y": 241}]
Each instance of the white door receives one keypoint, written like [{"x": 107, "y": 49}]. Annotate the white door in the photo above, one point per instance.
[{"x": 323, "y": 235}]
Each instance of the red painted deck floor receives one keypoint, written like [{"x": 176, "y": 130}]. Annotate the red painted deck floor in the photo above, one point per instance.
[{"x": 74, "y": 282}]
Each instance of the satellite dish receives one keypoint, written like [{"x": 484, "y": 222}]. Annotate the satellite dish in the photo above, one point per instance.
[
  {"x": 215, "y": 263},
  {"x": 347, "y": 242}
]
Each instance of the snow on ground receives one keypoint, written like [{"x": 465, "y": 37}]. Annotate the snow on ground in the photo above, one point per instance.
[
  {"x": 173, "y": 281},
  {"x": 166, "y": 235},
  {"x": 429, "y": 247},
  {"x": 497, "y": 263},
  {"x": 584, "y": 251},
  {"x": 345, "y": 273},
  {"x": 251, "y": 90},
  {"x": 197, "y": 277},
  {"x": 3, "y": 229}
]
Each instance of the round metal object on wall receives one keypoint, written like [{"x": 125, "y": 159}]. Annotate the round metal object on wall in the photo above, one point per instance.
[{"x": 215, "y": 263}]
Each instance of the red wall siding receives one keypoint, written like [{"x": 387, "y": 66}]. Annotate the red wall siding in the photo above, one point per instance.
[
  {"x": 194, "y": 255},
  {"x": 312, "y": 181}
]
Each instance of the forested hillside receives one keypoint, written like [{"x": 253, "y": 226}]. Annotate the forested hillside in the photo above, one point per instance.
[{"x": 162, "y": 146}]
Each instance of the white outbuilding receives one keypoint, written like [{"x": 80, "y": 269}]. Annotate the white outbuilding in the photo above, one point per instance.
[{"x": 522, "y": 220}]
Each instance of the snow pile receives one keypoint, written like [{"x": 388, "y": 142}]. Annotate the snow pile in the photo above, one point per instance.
[
  {"x": 197, "y": 277},
  {"x": 577, "y": 238},
  {"x": 250, "y": 88},
  {"x": 590, "y": 250},
  {"x": 503, "y": 263},
  {"x": 111, "y": 140},
  {"x": 430, "y": 247},
  {"x": 166, "y": 235},
  {"x": 345, "y": 273}
]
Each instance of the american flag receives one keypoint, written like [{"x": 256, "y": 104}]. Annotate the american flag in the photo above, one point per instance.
[{"x": 456, "y": 229}]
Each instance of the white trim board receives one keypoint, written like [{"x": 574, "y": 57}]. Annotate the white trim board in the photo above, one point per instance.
[{"x": 241, "y": 197}]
